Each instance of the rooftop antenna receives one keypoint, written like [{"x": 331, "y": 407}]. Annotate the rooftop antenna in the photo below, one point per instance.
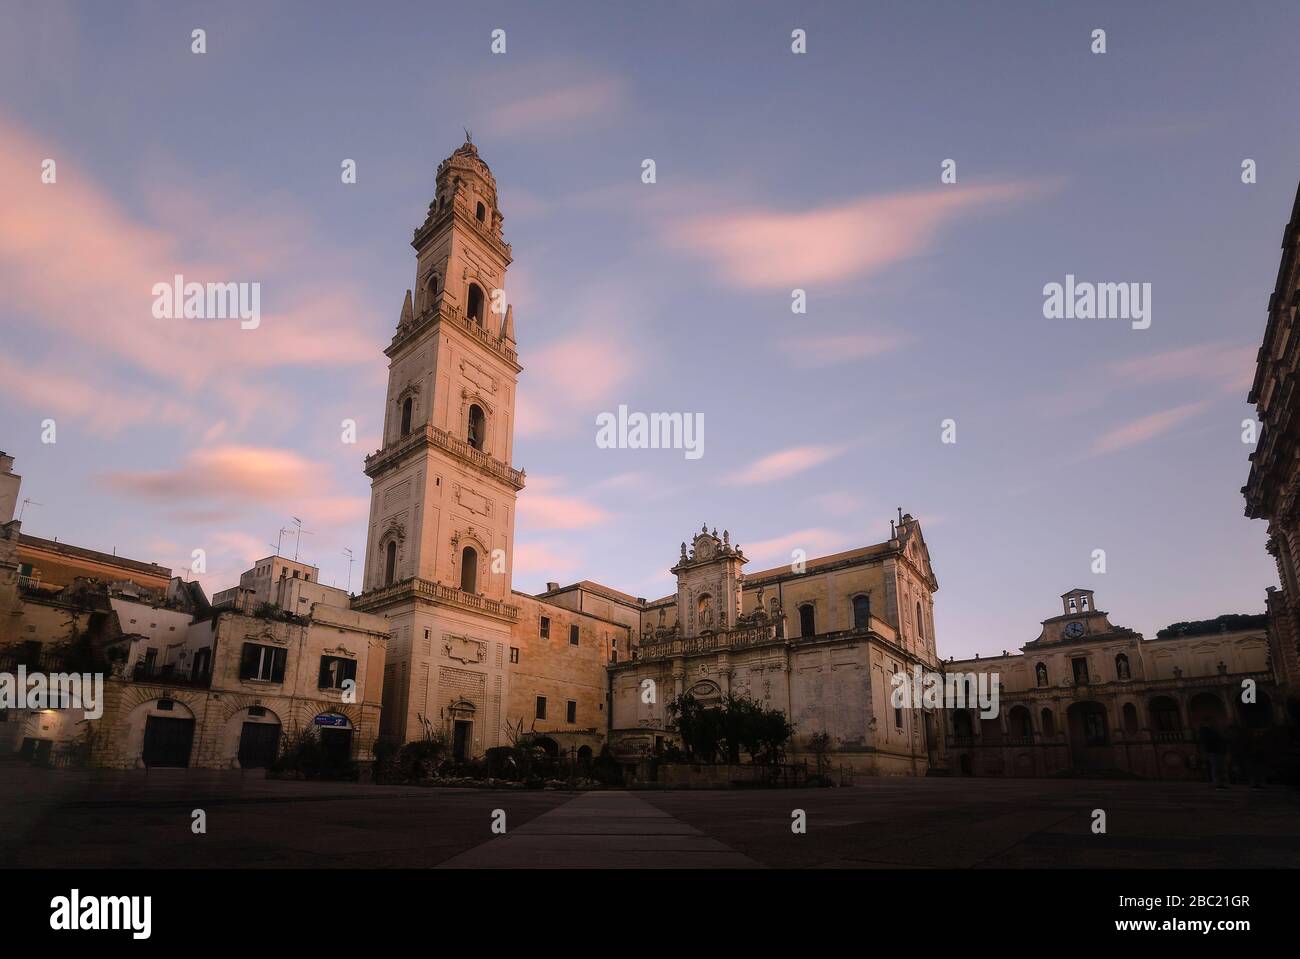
[
  {"x": 298, "y": 526},
  {"x": 347, "y": 551},
  {"x": 277, "y": 540},
  {"x": 26, "y": 502},
  {"x": 468, "y": 137}
]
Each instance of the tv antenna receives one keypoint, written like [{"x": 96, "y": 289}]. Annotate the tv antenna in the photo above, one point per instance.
[
  {"x": 278, "y": 539},
  {"x": 26, "y": 503},
  {"x": 298, "y": 542},
  {"x": 347, "y": 551}
]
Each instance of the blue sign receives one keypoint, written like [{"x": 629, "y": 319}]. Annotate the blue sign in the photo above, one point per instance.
[{"x": 332, "y": 719}]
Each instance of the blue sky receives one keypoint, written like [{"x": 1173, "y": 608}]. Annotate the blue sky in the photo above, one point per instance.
[{"x": 774, "y": 171}]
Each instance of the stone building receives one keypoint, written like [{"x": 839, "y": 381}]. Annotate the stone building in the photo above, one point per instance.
[
  {"x": 475, "y": 659},
  {"x": 1088, "y": 696},
  {"x": 1274, "y": 481},
  {"x": 248, "y": 683},
  {"x": 441, "y": 530},
  {"x": 185, "y": 684},
  {"x": 820, "y": 641},
  {"x": 292, "y": 586}
]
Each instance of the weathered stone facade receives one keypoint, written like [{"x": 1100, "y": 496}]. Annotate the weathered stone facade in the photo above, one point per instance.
[
  {"x": 820, "y": 641},
  {"x": 222, "y": 700},
  {"x": 1272, "y": 489},
  {"x": 1090, "y": 697}
]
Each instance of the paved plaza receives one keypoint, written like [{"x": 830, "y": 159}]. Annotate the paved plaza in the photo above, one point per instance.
[{"x": 61, "y": 818}]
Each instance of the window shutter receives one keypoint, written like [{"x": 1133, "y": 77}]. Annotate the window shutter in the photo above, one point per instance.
[
  {"x": 248, "y": 661},
  {"x": 277, "y": 670},
  {"x": 324, "y": 680}
]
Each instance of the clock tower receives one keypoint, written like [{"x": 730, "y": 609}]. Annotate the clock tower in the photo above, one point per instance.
[
  {"x": 442, "y": 508},
  {"x": 1080, "y": 620}
]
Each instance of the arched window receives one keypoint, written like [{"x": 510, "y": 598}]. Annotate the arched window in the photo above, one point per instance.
[
  {"x": 474, "y": 305},
  {"x": 469, "y": 570},
  {"x": 861, "y": 612},
  {"x": 1130, "y": 720},
  {"x": 433, "y": 284},
  {"x": 1018, "y": 721},
  {"x": 1040, "y": 674},
  {"x": 407, "y": 406},
  {"x": 807, "y": 620},
  {"x": 1121, "y": 667},
  {"x": 474, "y": 433},
  {"x": 920, "y": 624},
  {"x": 390, "y": 562},
  {"x": 480, "y": 212},
  {"x": 1049, "y": 723}
]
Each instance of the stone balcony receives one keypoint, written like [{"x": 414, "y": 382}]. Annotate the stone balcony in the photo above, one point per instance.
[
  {"x": 436, "y": 593},
  {"x": 747, "y": 636},
  {"x": 440, "y": 311},
  {"x": 431, "y": 435}
]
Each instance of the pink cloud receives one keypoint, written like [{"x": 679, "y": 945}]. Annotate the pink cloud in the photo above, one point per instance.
[
  {"x": 104, "y": 407},
  {"x": 1145, "y": 428},
  {"x": 94, "y": 293},
  {"x": 559, "y": 110},
  {"x": 534, "y": 559},
  {"x": 1228, "y": 366},
  {"x": 568, "y": 382},
  {"x": 784, "y": 463},
  {"x": 815, "y": 542},
  {"x": 539, "y": 509},
  {"x": 768, "y": 249},
  {"x": 220, "y": 483}
]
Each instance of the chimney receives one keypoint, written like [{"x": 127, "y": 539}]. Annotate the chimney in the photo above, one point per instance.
[{"x": 552, "y": 587}]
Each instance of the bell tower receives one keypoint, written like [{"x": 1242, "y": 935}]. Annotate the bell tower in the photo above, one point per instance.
[{"x": 442, "y": 507}]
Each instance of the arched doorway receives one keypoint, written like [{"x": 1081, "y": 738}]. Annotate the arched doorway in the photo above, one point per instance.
[
  {"x": 462, "y": 730},
  {"x": 259, "y": 737},
  {"x": 1019, "y": 725},
  {"x": 1257, "y": 715},
  {"x": 1206, "y": 709},
  {"x": 1089, "y": 735},
  {"x": 168, "y": 733},
  {"x": 1166, "y": 723},
  {"x": 1049, "y": 723}
]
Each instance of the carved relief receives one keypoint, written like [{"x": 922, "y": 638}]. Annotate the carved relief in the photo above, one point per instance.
[
  {"x": 463, "y": 649},
  {"x": 472, "y": 501},
  {"x": 480, "y": 377}
]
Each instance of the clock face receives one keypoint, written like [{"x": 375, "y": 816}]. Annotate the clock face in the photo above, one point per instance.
[{"x": 1074, "y": 630}]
